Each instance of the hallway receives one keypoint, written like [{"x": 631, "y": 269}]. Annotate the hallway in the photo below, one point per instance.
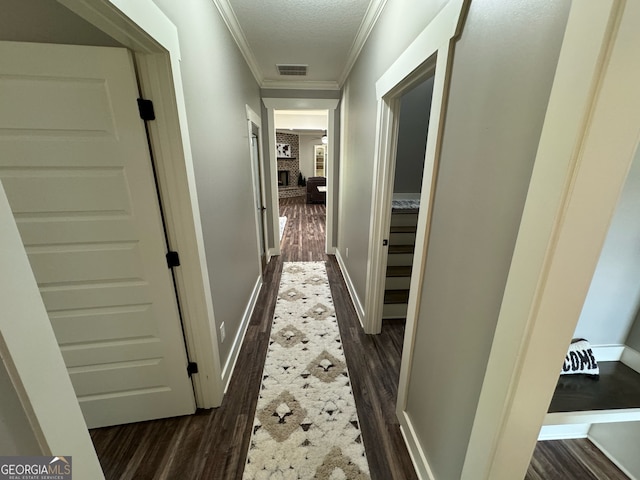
[{"x": 212, "y": 444}]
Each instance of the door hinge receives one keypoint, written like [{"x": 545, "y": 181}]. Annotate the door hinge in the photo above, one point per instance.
[
  {"x": 145, "y": 107},
  {"x": 385, "y": 242},
  {"x": 192, "y": 367},
  {"x": 173, "y": 259}
]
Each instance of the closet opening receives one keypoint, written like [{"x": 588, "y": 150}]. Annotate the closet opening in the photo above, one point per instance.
[
  {"x": 601, "y": 402},
  {"x": 415, "y": 107}
]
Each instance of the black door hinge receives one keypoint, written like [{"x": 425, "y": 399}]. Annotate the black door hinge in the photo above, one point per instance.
[
  {"x": 173, "y": 259},
  {"x": 192, "y": 367},
  {"x": 385, "y": 242},
  {"x": 145, "y": 107}
]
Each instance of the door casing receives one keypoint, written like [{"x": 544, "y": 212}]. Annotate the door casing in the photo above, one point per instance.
[
  {"x": 330, "y": 105},
  {"x": 152, "y": 37},
  {"x": 254, "y": 123}
]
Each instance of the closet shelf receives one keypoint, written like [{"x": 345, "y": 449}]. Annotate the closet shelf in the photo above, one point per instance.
[{"x": 614, "y": 397}]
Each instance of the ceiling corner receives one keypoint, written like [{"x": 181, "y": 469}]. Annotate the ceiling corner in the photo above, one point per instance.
[
  {"x": 368, "y": 22},
  {"x": 230, "y": 19}
]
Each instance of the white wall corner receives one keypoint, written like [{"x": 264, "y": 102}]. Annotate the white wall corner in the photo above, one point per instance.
[
  {"x": 352, "y": 291},
  {"x": 230, "y": 364}
]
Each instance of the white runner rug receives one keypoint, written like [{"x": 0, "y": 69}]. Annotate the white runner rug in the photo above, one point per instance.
[
  {"x": 306, "y": 425},
  {"x": 283, "y": 222}
]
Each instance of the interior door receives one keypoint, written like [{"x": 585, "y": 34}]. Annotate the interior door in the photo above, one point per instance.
[
  {"x": 257, "y": 193},
  {"x": 75, "y": 165}
]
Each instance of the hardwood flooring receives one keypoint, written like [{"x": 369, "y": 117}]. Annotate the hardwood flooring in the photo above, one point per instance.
[
  {"x": 571, "y": 460},
  {"x": 212, "y": 444},
  {"x": 304, "y": 234}
]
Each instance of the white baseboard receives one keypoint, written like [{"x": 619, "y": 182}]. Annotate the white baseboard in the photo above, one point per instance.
[
  {"x": 612, "y": 458},
  {"x": 631, "y": 358},
  {"x": 420, "y": 463},
  {"x": 352, "y": 291},
  {"x": 563, "y": 432},
  {"x": 239, "y": 338},
  {"x": 607, "y": 353}
]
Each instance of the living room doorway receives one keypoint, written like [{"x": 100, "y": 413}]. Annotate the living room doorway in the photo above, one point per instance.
[
  {"x": 295, "y": 117},
  {"x": 302, "y": 164}
]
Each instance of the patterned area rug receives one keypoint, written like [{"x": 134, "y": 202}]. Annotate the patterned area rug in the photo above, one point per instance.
[{"x": 306, "y": 424}]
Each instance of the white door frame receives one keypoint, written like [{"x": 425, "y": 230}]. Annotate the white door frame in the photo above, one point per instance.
[
  {"x": 142, "y": 27},
  {"x": 431, "y": 49},
  {"x": 330, "y": 105},
  {"x": 414, "y": 65},
  {"x": 33, "y": 360},
  {"x": 253, "y": 119},
  {"x": 590, "y": 134}
]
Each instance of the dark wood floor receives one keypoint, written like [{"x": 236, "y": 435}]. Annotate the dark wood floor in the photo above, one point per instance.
[
  {"x": 212, "y": 444},
  {"x": 304, "y": 233},
  {"x": 571, "y": 460}
]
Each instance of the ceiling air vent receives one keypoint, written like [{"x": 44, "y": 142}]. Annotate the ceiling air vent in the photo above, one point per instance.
[{"x": 292, "y": 70}]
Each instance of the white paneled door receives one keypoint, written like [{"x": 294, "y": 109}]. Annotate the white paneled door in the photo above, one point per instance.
[{"x": 75, "y": 165}]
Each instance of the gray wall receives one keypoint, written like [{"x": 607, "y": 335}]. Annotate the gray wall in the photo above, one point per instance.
[
  {"x": 16, "y": 435},
  {"x": 399, "y": 23},
  {"x": 621, "y": 441},
  {"x": 217, "y": 85},
  {"x": 612, "y": 301},
  {"x": 503, "y": 69},
  {"x": 412, "y": 138},
  {"x": 307, "y": 164},
  {"x": 633, "y": 340},
  {"x": 47, "y": 21}
]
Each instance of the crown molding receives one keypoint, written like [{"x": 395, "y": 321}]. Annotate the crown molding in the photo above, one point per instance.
[
  {"x": 230, "y": 19},
  {"x": 300, "y": 84},
  {"x": 368, "y": 22}
]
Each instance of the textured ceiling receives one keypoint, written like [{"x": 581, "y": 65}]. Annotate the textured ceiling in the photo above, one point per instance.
[{"x": 319, "y": 33}]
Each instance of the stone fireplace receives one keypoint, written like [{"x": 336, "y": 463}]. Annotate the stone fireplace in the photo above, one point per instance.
[{"x": 289, "y": 167}]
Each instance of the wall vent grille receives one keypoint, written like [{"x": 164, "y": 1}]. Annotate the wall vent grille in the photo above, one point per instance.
[{"x": 292, "y": 70}]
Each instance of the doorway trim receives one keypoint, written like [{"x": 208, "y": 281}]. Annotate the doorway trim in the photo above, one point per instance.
[
  {"x": 330, "y": 105},
  {"x": 253, "y": 119},
  {"x": 429, "y": 51},
  {"x": 590, "y": 134},
  {"x": 142, "y": 27}
]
